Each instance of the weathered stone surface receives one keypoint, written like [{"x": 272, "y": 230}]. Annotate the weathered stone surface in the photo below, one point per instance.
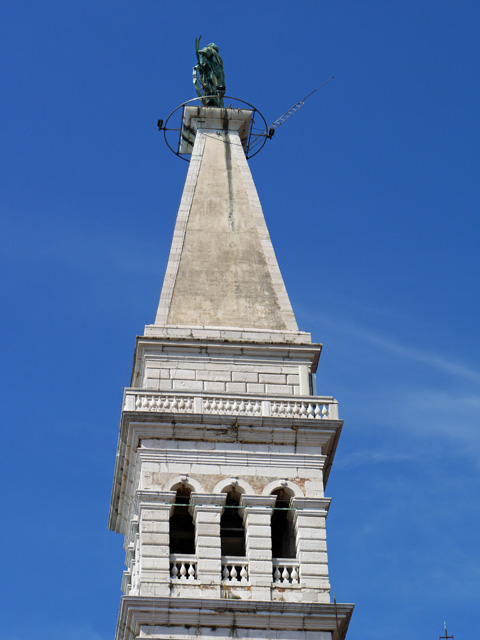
[{"x": 222, "y": 269}]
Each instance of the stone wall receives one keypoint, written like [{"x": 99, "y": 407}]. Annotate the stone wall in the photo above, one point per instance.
[{"x": 228, "y": 368}]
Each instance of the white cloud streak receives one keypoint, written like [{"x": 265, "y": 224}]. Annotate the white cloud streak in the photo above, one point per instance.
[
  {"x": 424, "y": 357},
  {"x": 414, "y": 354}
]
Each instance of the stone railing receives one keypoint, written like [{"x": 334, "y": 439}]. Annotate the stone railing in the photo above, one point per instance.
[
  {"x": 316, "y": 408},
  {"x": 234, "y": 569},
  {"x": 285, "y": 571},
  {"x": 183, "y": 567}
]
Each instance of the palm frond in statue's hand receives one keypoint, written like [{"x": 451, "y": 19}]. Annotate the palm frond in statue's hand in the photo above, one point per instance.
[{"x": 197, "y": 47}]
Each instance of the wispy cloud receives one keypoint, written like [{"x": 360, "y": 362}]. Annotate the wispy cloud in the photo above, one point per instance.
[
  {"x": 414, "y": 391},
  {"x": 414, "y": 354},
  {"x": 419, "y": 355}
]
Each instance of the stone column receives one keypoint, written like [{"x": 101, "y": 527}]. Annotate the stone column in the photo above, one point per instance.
[
  {"x": 257, "y": 516},
  {"x": 153, "y": 508},
  {"x": 206, "y": 509},
  {"x": 309, "y": 520}
]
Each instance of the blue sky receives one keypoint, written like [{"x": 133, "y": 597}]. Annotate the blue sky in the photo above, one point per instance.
[{"x": 371, "y": 196}]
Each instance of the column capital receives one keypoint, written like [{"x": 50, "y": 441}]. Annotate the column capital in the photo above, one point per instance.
[
  {"x": 154, "y": 499},
  {"x": 206, "y": 502},
  {"x": 310, "y": 506},
  {"x": 257, "y": 504}
]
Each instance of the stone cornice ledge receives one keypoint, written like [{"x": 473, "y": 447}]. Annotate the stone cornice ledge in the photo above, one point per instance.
[
  {"x": 226, "y": 334},
  {"x": 310, "y": 506},
  {"x": 152, "y": 498},
  {"x": 206, "y": 502},
  {"x": 247, "y": 614},
  {"x": 257, "y": 504}
]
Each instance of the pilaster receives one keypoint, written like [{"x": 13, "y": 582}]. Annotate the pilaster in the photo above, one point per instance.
[
  {"x": 206, "y": 509},
  {"x": 257, "y": 515},
  {"x": 153, "y": 508},
  {"x": 309, "y": 520}
]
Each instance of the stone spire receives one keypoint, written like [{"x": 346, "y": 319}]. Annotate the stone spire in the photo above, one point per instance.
[{"x": 222, "y": 270}]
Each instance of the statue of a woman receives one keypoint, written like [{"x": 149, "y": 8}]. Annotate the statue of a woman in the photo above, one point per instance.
[{"x": 208, "y": 75}]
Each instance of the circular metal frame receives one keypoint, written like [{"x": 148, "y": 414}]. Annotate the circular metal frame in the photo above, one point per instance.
[{"x": 256, "y": 138}]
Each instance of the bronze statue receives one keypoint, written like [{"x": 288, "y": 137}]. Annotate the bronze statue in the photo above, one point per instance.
[{"x": 208, "y": 75}]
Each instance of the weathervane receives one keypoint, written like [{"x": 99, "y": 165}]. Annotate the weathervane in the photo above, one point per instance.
[{"x": 445, "y": 636}]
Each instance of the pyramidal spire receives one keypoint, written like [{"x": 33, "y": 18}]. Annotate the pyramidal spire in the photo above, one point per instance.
[{"x": 222, "y": 271}]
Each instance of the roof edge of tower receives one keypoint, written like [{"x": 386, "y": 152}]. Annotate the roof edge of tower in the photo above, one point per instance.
[{"x": 240, "y": 334}]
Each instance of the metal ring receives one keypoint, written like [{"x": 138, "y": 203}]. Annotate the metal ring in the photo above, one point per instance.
[{"x": 255, "y": 111}]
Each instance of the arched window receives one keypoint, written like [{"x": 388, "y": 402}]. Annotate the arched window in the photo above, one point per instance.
[
  {"x": 232, "y": 530},
  {"x": 283, "y": 534},
  {"x": 182, "y": 529}
]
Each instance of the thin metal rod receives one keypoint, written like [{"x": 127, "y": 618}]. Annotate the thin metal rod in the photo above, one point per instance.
[
  {"x": 296, "y": 106},
  {"x": 285, "y": 116},
  {"x": 232, "y": 506}
]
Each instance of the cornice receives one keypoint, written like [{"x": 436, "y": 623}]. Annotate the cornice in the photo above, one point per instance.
[
  {"x": 227, "y": 428},
  {"x": 207, "y": 344},
  {"x": 235, "y": 458},
  {"x": 242, "y": 614}
]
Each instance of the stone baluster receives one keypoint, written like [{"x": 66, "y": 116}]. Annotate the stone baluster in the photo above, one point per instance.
[
  {"x": 257, "y": 516},
  {"x": 309, "y": 519},
  {"x": 206, "y": 509},
  {"x": 153, "y": 508}
]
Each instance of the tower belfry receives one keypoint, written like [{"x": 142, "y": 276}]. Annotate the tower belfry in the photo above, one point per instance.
[{"x": 224, "y": 450}]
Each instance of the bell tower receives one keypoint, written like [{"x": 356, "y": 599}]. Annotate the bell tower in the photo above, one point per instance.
[{"x": 224, "y": 449}]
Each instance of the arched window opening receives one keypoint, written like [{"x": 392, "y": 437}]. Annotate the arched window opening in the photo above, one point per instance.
[
  {"x": 283, "y": 533},
  {"x": 182, "y": 529},
  {"x": 232, "y": 530}
]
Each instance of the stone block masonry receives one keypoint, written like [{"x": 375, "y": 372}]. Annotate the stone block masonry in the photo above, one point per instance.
[{"x": 230, "y": 368}]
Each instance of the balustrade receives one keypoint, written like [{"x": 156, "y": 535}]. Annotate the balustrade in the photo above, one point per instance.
[
  {"x": 277, "y": 407},
  {"x": 234, "y": 570},
  {"x": 285, "y": 571},
  {"x": 232, "y": 406},
  {"x": 183, "y": 567},
  {"x": 157, "y": 402}
]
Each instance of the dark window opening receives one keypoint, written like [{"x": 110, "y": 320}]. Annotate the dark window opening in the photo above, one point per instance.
[
  {"x": 182, "y": 529},
  {"x": 283, "y": 533},
  {"x": 312, "y": 384},
  {"x": 232, "y": 530}
]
